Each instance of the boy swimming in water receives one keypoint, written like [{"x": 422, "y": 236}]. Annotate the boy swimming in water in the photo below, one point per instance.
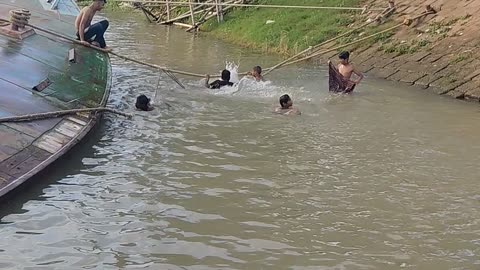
[
  {"x": 286, "y": 106},
  {"x": 87, "y": 31},
  {"x": 225, "y": 81},
  {"x": 143, "y": 103},
  {"x": 256, "y": 73}
]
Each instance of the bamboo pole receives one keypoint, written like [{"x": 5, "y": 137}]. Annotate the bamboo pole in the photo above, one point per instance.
[
  {"x": 205, "y": 17},
  {"x": 55, "y": 114},
  {"x": 217, "y": 8},
  {"x": 220, "y": 10},
  {"x": 359, "y": 40},
  {"x": 191, "y": 12},
  {"x": 225, "y": 9},
  {"x": 168, "y": 10},
  {"x": 186, "y": 14},
  {"x": 316, "y": 48},
  {"x": 184, "y": 25},
  {"x": 202, "y": 19}
]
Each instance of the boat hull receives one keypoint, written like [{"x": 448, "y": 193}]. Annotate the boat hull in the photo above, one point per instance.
[{"x": 26, "y": 148}]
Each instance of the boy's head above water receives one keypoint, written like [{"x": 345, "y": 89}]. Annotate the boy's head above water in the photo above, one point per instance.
[
  {"x": 344, "y": 57},
  {"x": 257, "y": 70},
  {"x": 226, "y": 75},
  {"x": 143, "y": 103},
  {"x": 286, "y": 102}
]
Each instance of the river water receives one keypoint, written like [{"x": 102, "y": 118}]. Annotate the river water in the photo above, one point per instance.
[{"x": 386, "y": 178}]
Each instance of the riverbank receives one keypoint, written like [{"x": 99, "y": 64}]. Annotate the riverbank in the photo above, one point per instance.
[
  {"x": 439, "y": 52},
  {"x": 285, "y": 31}
]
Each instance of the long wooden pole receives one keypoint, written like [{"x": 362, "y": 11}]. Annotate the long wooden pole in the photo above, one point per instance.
[
  {"x": 191, "y": 12},
  {"x": 357, "y": 41},
  {"x": 202, "y": 19},
  {"x": 45, "y": 115},
  {"x": 168, "y": 10},
  {"x": 220, "y": 10},
  {"x": 217, "y": 8},
  {"x": 314, "y": 48},
  {"x": 186, "y": 14}
]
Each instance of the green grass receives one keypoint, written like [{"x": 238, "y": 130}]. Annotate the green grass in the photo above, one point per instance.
[{"x": 293, "y": 29}]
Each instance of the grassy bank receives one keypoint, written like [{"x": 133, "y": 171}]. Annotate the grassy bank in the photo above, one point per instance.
[{"x": 292, "y": 30}]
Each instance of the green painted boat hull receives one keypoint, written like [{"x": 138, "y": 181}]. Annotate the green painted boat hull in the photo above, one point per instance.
[{"x": 26, "y": 148}]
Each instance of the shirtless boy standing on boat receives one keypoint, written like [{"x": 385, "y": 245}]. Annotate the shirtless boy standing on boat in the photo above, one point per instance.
[{"x": 87, "y": 31}]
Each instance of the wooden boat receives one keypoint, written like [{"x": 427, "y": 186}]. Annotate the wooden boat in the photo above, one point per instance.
[{"x": 36, "y": 76}]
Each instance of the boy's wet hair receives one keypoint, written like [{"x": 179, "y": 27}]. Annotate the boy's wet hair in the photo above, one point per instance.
[
  {"x": 142, "y": 103},
  {"x": 226, "y": 75},
  {"x": 284, "y": 100},
  {"x": 344, "y": 55},
  {"x": 258, "y": 69}
]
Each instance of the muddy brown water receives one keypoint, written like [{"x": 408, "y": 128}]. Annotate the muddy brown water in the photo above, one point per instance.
[{"x": 386, "y": 178}]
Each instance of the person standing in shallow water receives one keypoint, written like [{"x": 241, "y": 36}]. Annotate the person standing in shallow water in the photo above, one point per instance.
[
  {"x": 347, "y": 69},
  {"x": 87, "y": 31},
  {"x": 340, "y": 80},
  {"x": 286, "y": 106},
  {"x": 225, "y": 81}
]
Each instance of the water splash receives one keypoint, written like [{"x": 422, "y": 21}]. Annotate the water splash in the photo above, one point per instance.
[{"x": 233, "y": 68}]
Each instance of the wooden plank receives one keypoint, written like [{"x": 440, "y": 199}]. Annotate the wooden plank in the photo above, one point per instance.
[
  {"x": 9, "y": 164},
  {"x": 49, "y": 146},
  {"x": 39, "y": 153},
  {"x": 12, "y": 142},
  {"x": 68, "y": 128},
  {"x": 78, "y": 120},
  {"x": 35, "y": 128},
  {"x": 66, "y": 131},
  {"x": 56, "y": 137},
  {"x": 25, "y": 166},
  {"x": 52, "y": 141},
  {"x": 71, "y": 126}
]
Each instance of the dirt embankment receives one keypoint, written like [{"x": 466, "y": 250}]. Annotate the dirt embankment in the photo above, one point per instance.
[{"x": 441, "y": 52}]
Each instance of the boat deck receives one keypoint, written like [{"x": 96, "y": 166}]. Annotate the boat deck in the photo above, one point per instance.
[{"x": 27, "y": 147}]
